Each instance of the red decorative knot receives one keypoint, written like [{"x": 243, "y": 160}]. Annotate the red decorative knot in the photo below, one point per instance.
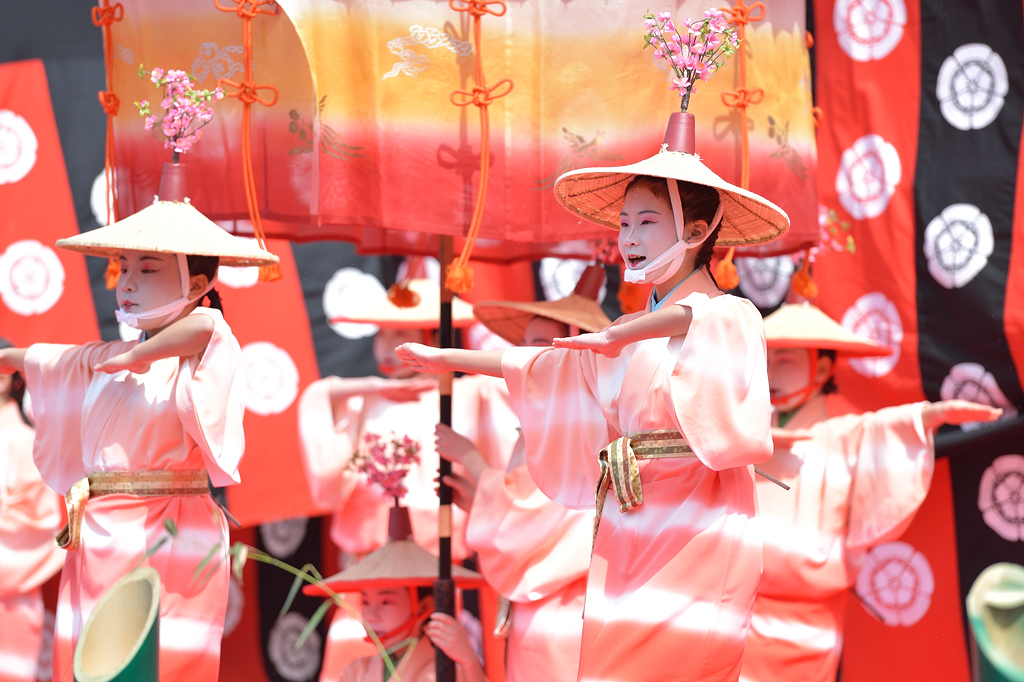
[
  {"x": 478, "y": 8},
  {"x": 741, "y": 14},
  {"x": 248, "y": 9},
  {"x": 247, "y": 92},
  {"x": 482, "y": 97},
  {"x": 107, "y": 14},
  {"x": 110, "y": 102},
  {"x": 742, "y": 98}
]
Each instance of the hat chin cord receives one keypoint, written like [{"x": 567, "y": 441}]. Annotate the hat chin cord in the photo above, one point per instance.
[
  {"x": 668, "y": 263},
  {"x": 168, "y": 309},
  {"x": 804, "y": 394}
]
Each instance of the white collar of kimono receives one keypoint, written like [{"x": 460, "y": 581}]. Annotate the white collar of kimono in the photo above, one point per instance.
[
  {"x": 168, "y": 309},
  {"x": 667, "y": 264},
  {"x": 655, "y": 304}
]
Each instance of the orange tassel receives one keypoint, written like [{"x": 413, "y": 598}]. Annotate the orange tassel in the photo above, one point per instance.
[
  {"x": 269, "y": 273},
  {"x": 402, "y": 296},
  {"x": 725, "y": 274},
  {"x": 633, "y": 297},
  {"x": 803, "y": 284},
  {"x": 113, "y": 272},
  {"x": 459, "y": 278}
]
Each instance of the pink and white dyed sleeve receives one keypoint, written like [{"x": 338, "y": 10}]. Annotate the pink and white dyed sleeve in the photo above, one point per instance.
[
  {"x": 895, "y": 459},
  {"x": 327, "y": 446},
  {"x": 553, "y": 392},
  {"x": 210, "y": 399},
  {"x": 719, "y": 385}
]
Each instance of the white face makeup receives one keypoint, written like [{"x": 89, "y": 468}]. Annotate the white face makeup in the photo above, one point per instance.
[
  {"x": 384, "y": 345},
  {"x": 148, "y": 280},
  {"x": 541, "y": 331},
  {"x": 647, "y": 228},
  {"x": 386, "y": 609}
]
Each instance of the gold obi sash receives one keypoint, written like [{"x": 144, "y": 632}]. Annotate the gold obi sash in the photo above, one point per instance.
[
  {"x": 161, "y": 483},
  {"x": 620, "y": 472}
]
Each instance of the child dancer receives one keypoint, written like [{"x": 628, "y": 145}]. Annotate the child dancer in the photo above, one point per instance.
[
  {"x": 532, "y": 551},
  {"x": 29, "y": 518},
  {"x": 668, "y": 408},
  {"x": 134, "y": 432},
  {"x": 856, "y": 481}
]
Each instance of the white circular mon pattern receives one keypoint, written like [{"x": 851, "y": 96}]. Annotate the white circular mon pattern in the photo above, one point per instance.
[
  {"x": 100, "y": 198},
  {"x": 765, "y": 281},
  {"x": 31, "y": 277},
  {"x": 897, "y": 582},
  {"x": 292, "y": 665},
  {"x": 971, "y": 381},
  {"x": 972, "y": 86},
  {"x": 559, "y": 277},
  {"x": 957, "y": 244},
  {"x": 346, "y": 288},
  {"x": 869, "y": 29},
  {"x": 271, "y": 378},
  {"x": 875, "y": 316},
  {"x": 282, "y": 538},
  {"x": 1001, "y": 497},
  {"x": 239, "y": 278},
  {"x": 869, "y": 171},
  {"x": 18, "y": 146}
]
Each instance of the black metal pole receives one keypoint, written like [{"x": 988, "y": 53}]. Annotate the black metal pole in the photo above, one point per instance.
[{"x": 444, "y": 588}]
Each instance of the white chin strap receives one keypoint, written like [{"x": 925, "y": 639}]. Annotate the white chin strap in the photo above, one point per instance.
[
  {"x": 667, "y": 264},
  {"x": 168, "y": 309}
]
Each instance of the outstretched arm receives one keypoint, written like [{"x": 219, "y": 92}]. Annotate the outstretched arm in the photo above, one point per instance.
[
  {"x": 184, "y": 338},
  {"x": 672, "y": 320},
  {"x": 12, "y": 360},
  {"x": 440, "y": 360},
  {"x": 934, "y": 415}
]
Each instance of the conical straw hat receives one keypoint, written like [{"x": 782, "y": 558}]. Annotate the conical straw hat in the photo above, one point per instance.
[
  {"x": 399, "y": 563},
  {"x": 995, "y": 611},
  {"x": 169, "y": 227},
  {"x": 426, "y": 314},
  {"x": 508, "y": 319},
  {"x": 597, "y": 194},
  {"x": 803, "y": 325}
]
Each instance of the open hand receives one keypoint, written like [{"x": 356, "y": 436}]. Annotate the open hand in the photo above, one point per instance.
[
  {"x": 785, "y": 438},
  {"x": 448, "y": 635},
  {"x": 599, "y": 342},
  {"x": 404, "y": 390},
  {"x": 422, "y": 358},
  {"x": 123, "y": 361},
  {"x": 956, "y": 412},
  {"x": 463, "y": 490},
  {"x": 455, "y": 448}
]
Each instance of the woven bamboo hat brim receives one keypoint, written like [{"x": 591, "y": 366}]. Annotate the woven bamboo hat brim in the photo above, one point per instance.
[
  {"x": 399, "y": 563},
  {"x": 995, "y": 611},
  {"x": 169, "y": 227},
  {"x": 802, "y": 325},
  {"x": 426, "y": 314},
  {"x": 597, "y": 193},
  {"x": 508, "y": 319}
]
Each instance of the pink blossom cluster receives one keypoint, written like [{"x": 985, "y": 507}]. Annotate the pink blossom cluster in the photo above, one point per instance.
[
  {"x": 186, "y": 109},
  {"x": 386, "y": 462},
  {"x": 694, "y": 49},
  {"x": 834, "y": 232}
]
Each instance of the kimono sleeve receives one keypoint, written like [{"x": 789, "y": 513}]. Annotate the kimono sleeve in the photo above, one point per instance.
[
  {"x": 327, "y": 446},
  {"x": 893, "y": 458},
  {"x": 719, "y": 384},
  {"x": 58, "y": 378},
  {"x": 529, "y": 547},
  {"x": 553, "y": 392},
  {"x": 210, "y": 398}
]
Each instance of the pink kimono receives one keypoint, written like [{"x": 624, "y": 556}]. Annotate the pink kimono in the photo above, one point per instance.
[
  {"x": 184, "y": 413},
  {"x": 418, "y": 667},
  {"x": 672, "y": 582},
  {"x": 481, "y": 411},
  {"x": 856, "y": 483},
  {"x": 535, "y": 553},
  {"x": 29, "y": 518}
]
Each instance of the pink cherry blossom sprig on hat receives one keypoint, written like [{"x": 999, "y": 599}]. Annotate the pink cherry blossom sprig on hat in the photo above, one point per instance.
[
  {"x": 386, "y": 462},
  {"x": 694, "y": 49},
  {"x": 187, "y": 110}
]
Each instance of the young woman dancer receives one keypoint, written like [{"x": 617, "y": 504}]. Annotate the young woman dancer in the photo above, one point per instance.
[
  {"x": 668, "y": 408},
  {"x": 134, "y": 432}
]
